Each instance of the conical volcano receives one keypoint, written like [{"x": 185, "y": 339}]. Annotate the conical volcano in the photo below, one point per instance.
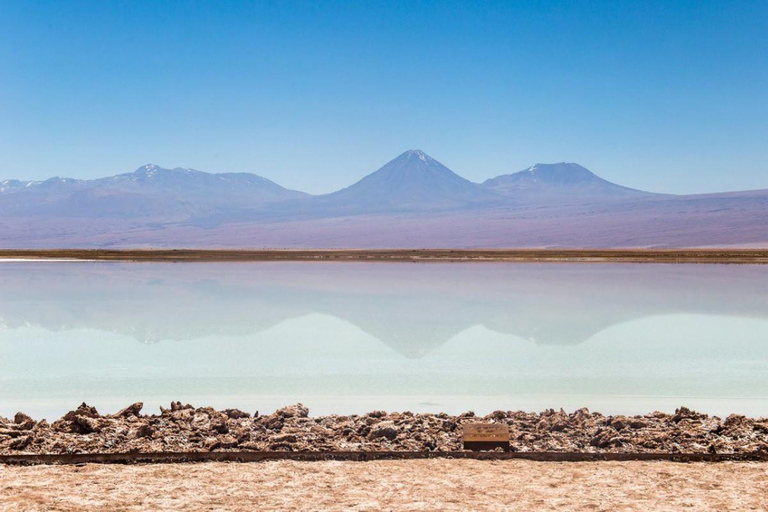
[{"x": 412, "y": 181}]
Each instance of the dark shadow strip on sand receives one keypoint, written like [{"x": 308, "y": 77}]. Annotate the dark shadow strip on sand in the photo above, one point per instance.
[{"x": 360, "y": 456}]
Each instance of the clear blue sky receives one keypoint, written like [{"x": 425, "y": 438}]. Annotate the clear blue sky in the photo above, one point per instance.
[{"x": 666, "y": 96}]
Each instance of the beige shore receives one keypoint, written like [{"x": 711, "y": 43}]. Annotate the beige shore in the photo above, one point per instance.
[
  {"x": 388, "y": 485},
  {"x": 722, "y": 256}
]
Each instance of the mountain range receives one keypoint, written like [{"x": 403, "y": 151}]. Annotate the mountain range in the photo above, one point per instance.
[{"x": 412, "y": 201}]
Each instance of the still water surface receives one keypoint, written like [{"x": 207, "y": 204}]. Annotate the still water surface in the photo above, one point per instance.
[{"x": 353, "y": 337}]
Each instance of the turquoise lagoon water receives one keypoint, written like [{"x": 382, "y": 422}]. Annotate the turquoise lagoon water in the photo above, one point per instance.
[{"x": 353, "y": 337}]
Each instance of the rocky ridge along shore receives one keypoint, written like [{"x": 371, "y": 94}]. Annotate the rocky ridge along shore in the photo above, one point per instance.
[{"x": 186, "y": 428}]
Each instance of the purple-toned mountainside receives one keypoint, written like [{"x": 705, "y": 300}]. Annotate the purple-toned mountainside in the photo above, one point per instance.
[
  {"x": 414, "y": 181},
  {"x": 149, "y": 191},
  {"x": 413, "y": 201},
  {"x": 560, "y": 181}
]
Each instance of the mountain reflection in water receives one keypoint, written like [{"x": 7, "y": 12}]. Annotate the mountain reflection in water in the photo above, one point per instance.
[{"x": 392, "y": 329}]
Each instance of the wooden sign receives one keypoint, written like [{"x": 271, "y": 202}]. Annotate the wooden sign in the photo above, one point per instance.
[{"x": 486, "y": 436}]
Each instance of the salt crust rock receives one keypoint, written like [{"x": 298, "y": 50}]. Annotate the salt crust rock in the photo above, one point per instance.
[{"x": 186, "y": 428}]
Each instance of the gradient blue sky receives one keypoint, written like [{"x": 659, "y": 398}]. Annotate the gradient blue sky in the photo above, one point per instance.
[{"x": 665, "y": 96}]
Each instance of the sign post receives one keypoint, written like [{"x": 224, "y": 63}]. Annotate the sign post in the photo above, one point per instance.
[{"x": 485, "y": 436}]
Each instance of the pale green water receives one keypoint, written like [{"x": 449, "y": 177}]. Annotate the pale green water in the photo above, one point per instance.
[{"x": 357, "y": 337}]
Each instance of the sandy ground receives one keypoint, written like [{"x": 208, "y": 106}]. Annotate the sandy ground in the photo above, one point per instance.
[{"x": 388, "y": 485}]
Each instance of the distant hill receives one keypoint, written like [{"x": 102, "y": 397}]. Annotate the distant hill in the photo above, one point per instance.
[
  {"x": 414, "y": 181},
  {"x": 149, "y": 191},
  {"x": 412, "y": 201},
  {"x": 558, "y": 181}
]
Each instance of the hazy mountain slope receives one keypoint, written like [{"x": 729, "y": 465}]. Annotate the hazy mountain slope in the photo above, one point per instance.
[
  {"x": 413, "y": 181},
  {"x": 7, "y": 186},
  {"x": 44, "y": 188},
  {"x": 680, "y": 221},
  {"x": 189, "y": 184},
  {"x": 412, "y": 201},
  {"x": 559, "y": 181},
  {"x": 150, "y": 191}
]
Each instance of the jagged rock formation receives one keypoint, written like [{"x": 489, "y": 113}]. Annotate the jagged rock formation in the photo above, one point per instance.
[{"x": 186, "y": 428}]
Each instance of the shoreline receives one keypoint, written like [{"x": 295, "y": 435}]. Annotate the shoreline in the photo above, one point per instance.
[
  {"x": 688, "y": 256},
  {"x": 185, "y": 430},
  {"x": 201, "y": 457}
]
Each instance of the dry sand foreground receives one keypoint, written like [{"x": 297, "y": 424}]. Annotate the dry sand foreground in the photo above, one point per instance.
[{"x": 388, "y": 485}]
